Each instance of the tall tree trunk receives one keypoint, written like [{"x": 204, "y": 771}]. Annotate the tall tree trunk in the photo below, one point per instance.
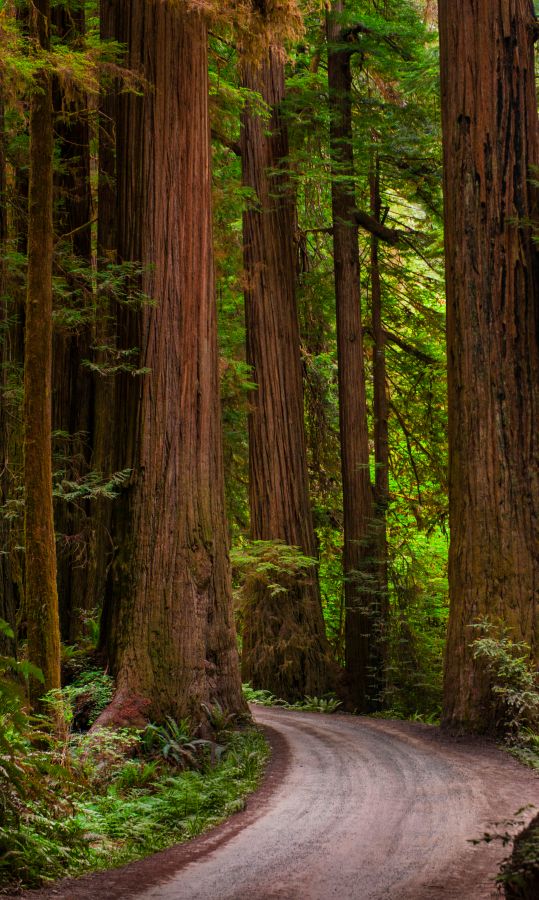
[
  {"x": 13, "y": 235},
  {"x": 284, "y": 644},
  {"x": 72, "y": 383},
  {"x": 172, "y": 641},
  {"x": 7, "y": 585},
  {"x": 41, "y": 593},
  {"x": 491, "y": 149},
  {"x": 105, "y": 329},
  {"x": 381, "y": 417},
  {"x": 360, "y": 599}
]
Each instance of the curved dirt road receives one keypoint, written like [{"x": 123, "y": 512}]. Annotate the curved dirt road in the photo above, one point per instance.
[{"x": 352, "y": 808}]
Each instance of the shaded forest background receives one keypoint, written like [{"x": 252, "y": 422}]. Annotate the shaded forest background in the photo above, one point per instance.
[
  {"x": 268, "y": 395},
  {"x": 325, "y": 251}
]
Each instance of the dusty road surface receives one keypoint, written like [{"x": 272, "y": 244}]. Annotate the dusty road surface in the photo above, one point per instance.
[{"x": 352, "y": 808}]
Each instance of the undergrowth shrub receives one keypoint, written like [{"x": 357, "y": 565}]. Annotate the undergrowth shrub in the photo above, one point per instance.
[
  {"x": 514, "y": 685},
  {"x": 132, "y": 819},
  {"x": 87, "y": 696},
  {"x": 325, "y": 704},
  {"x": 272, "y": 565},
  {"x": 417, "y": 625},
  {"x": 38, "y": 832},
  {"x": 79, "y": 801},
  {"x": 174, "y": 742}
]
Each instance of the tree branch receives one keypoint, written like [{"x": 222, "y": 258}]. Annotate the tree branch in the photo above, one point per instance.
[
  {"x": 373, "y": 226},
  {"x": 388, "y": 39},
  {"x": 233, "y": 146},
  {"x": 407, "y": 347}
]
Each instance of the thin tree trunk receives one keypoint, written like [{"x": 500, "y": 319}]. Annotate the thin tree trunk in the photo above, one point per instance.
[
  {"x": 172, "y": 641},
  {"x": 101, "y": 546},
  {"x": 491, "y": 150},
  {"x": 41, "y": 593},
  {"x": 13, "y": 234},
  {"x": 7, "y": 585},
  {"x": 284, "y": 643},
  {"x": 72, "y": 383},
  {"x": 381, "y": 417},
  {"x": 360, "y": 599}
]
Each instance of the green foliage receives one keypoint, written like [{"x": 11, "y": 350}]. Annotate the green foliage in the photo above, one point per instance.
[
  {"x": 174, "y": 742},
  {"x": 514, "y": 682},
  {"x": 129, "y": 823},
  {"x": 317, "y": 704},
  {"x": 37, "y": 830},
  {"x": 261, "y": 697},
  {"x": 220, "y": 720},
  {"x": 92, "y": 486},
  {"x": 87, "y": 696},
  {"x": 418, "y": 618},
  {"x": 327, "y": 704},
  {"x": 268, "y": 563},
  {"x": 102, "y": 798},
  {"x": 100, "y": 754},
  {"x": 519, "y": 872}
]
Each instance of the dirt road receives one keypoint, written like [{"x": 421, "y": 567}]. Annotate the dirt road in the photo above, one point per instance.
[{"x": 352, "y": 808}]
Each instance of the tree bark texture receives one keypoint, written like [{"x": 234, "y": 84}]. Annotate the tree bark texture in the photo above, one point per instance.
[
  {"x": 361, "y": 600},
  {"x": 101, "y": 546},
  {"x": 491, "y": 147},
  {"x": 41, "y": 592},
  {"x": 72, "y": 399},
  {"x": 172, "y": 641},
  {"x": 284, "y": 644},
  {"x": 381, "y": 419},
  {"x": 8, "y": 587}
]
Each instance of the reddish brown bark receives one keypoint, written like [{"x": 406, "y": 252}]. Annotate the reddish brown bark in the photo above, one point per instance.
[
  {"x": 360, "y": 599},
  {"x": 491, "y": 147},
  {"x": 41, "y": 594},
  {"x": 172, "y": 642},
  {"x": 284, "y": 644},
  {"x": 72, "y": 383},
  {"x": 13, "y": 234},
  {"x": 7, "y": 585},
  {"x": 381, "y": 418},
  {"x": 103, "y": 462}
]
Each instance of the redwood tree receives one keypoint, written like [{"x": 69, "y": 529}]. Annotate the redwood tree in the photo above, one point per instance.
[
  {"x": 40, "y": 586},
  {"x": 72, "y": 382},
  {"x": 491, "y": 150},
  {"x": 284, "y": 644},
  {"x": 381, "y": 417},
  {"x": 105, "y": 332},
  {"x": 360, "y": 599},
  {"x": 7, "y": 583},
  {"x": 171, "y": 640}
]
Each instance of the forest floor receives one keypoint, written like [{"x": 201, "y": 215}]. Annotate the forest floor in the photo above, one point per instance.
[{"x": 351, "y": 808}]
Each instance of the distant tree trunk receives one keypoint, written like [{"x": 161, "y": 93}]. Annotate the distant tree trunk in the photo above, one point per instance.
[
  {"x": 72, "y": 383},
  {"x": 41, "y": 593},
  {"x": 491, "y": 151},
  {"x": 360, "y": 599},
  {"x": 284, "y": 643},
  {"x": 105, "y": 330},
  {"x": 381, "y": 417},
  {"x": 13, "y": 235},
  {"x": 171, "y": 642},
  {"x": 7, "y": 586}
]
